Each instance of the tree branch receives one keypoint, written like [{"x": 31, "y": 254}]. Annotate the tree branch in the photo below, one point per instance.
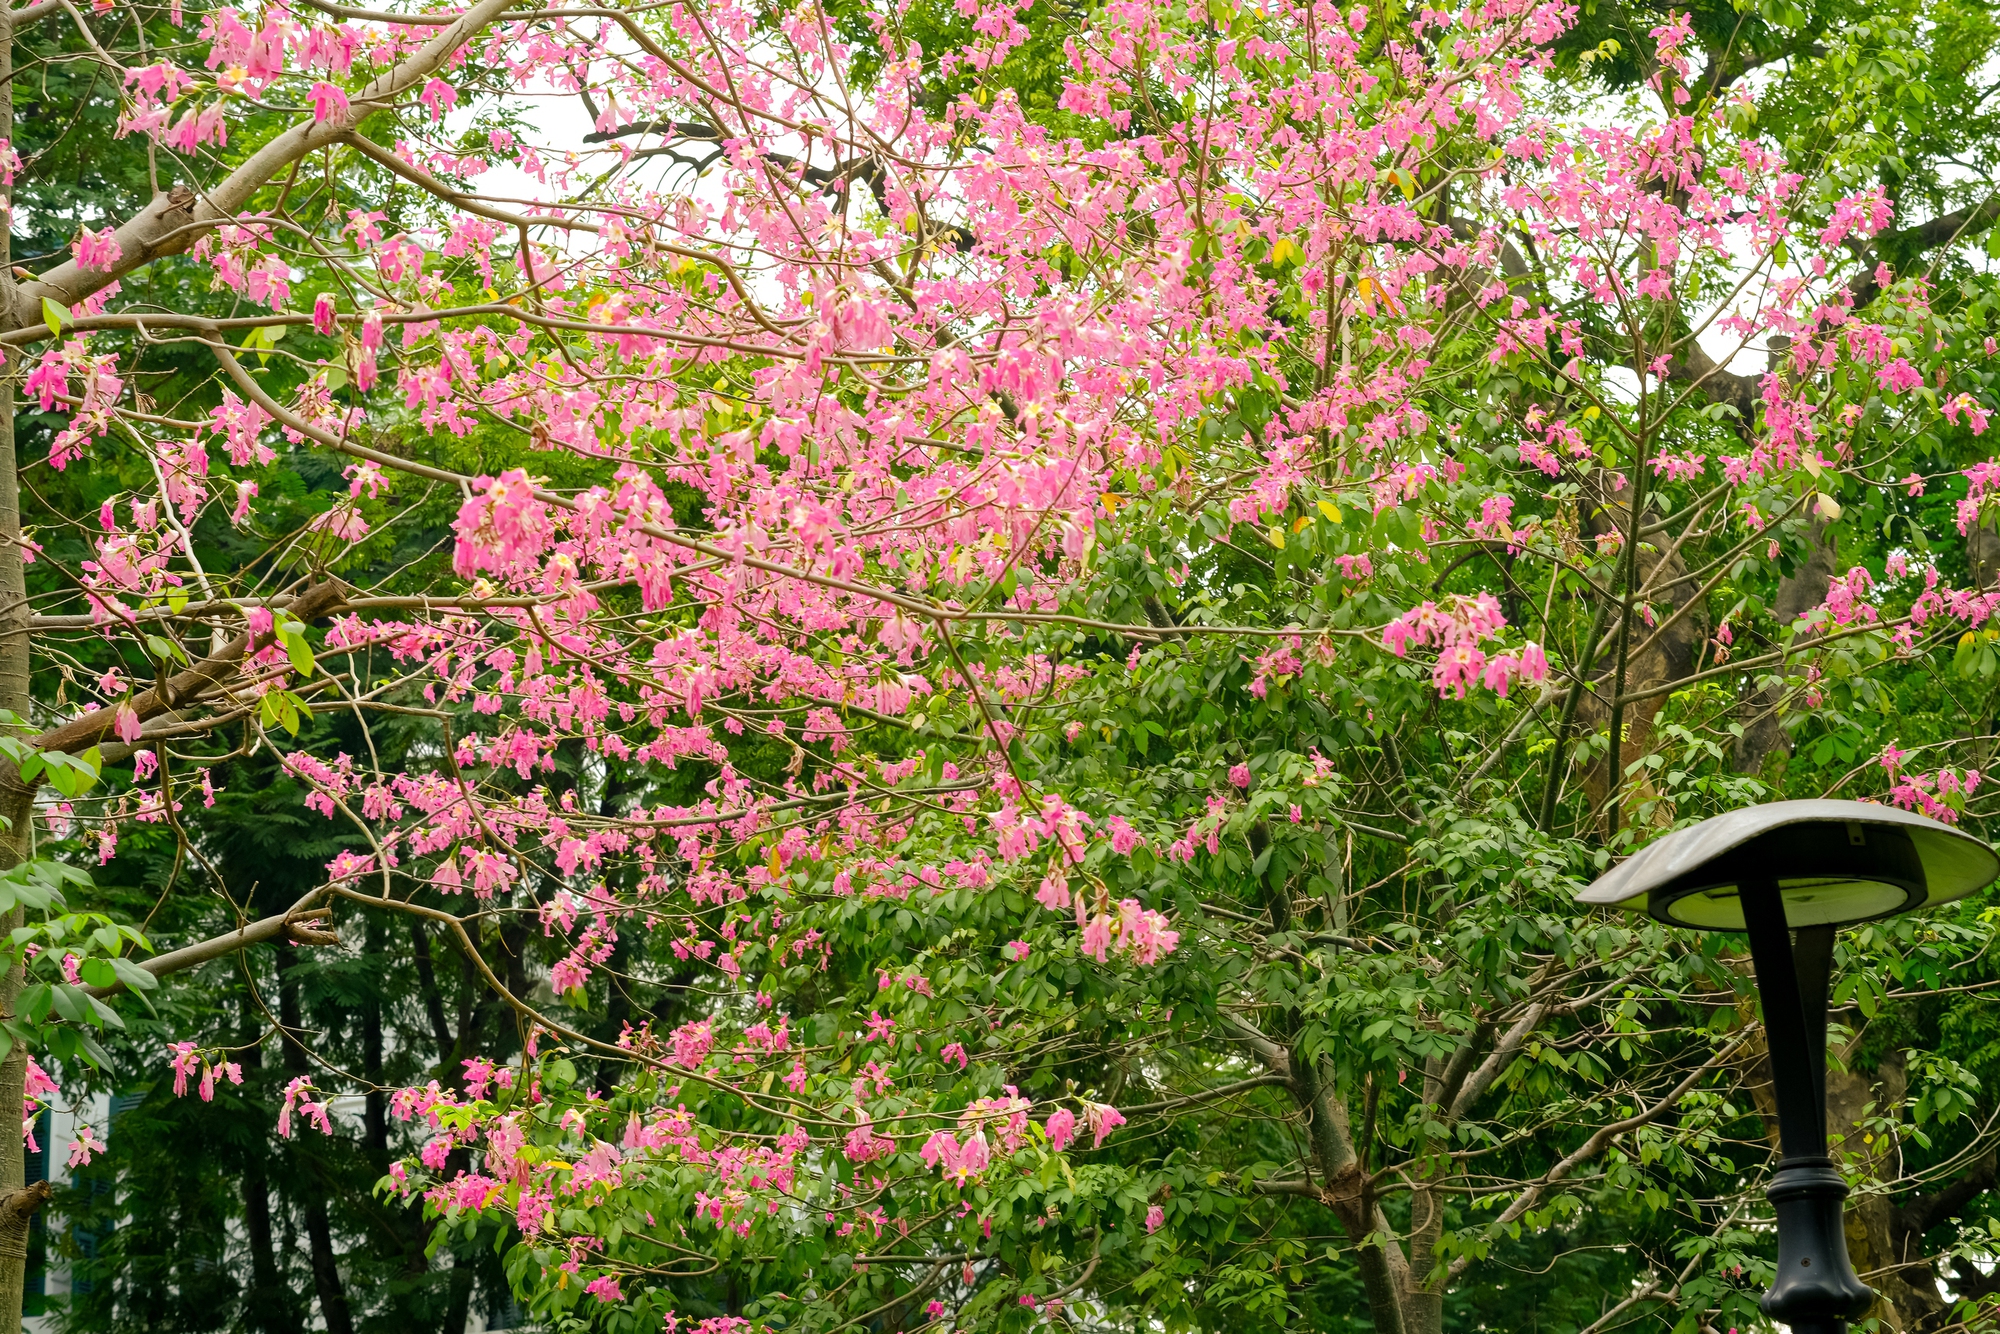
[
  {"x": 1597, "y": 1143},
  {"x": 86, "y": 731},
  {"x": 296, "y": 924},
  {"x": 161, "y": 228}
]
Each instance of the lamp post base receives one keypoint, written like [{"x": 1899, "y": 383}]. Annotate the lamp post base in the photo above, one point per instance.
[{"x": 1816, "y": 1290}]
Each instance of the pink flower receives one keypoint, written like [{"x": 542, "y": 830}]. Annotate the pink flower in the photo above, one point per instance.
[
  {"x": 1061, "y": 1128},
  {"x": 1097, "y": 937},
  {"x": 323, "y": 313},
  {"x": 691, "y": 1044},
  {"x": 183, "y": 1062},
  {"x": 1534, "y": 663},
  {"x": 96, "y": 250},
  {"x": 954, "y": 1052},
  {"x": 1240, "y": 775},
  {"x": 85, "y": 1146},
  {"x": 1101, "y": 1119},
  {"x": 70, "y": 963},
  {"x": 1155, "y": 1216},
  {"x": 230, "y": 1069},
  {"x": 960, "y": 1163},
  {"x": 605, "y": 1289},
  {"x": 1020, "y": 949},
  {"x": 439, "y": 96},
  {"x": 328, "y": 102},
  {"x": 296, "y": 1095}
]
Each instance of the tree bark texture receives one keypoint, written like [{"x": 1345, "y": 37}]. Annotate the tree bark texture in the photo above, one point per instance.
[
  {"x": 16, "y": 799},
  {"x": 1764, "y": 734},
  {"x": 1665, "y": 584}
]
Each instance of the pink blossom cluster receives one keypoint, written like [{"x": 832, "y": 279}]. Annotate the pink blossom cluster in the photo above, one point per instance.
[
  {"x": 1458, "y": 627},
  {"x": 184, "y": 1057}
]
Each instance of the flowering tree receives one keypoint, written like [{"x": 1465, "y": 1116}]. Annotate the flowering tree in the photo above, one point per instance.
[{"x": 1000, "y": 646}]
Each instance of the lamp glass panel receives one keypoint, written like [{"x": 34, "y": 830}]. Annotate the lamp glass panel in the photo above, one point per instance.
[{"x": 1807, "y": 903}]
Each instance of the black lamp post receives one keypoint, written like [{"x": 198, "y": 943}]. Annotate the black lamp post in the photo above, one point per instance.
[{"x": 1800, "y": 869}]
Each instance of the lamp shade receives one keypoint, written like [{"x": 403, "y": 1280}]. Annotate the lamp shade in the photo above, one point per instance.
[{"x": 1834, "y": 862}]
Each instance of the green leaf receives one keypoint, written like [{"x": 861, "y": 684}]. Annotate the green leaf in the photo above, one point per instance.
[
  {"x": 160, "y": 647},
  {"x": 298, "y": 650},
  {"x": 35, "y": 1001},
  {"x": 96, "y": 1054},
  {"x": 69, "y": 1003},
  {"x": 132, "y": 975},
  {"x": 56, "y": 317}
]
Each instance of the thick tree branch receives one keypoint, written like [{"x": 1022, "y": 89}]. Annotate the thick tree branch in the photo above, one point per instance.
[
  {"x": 297, "y": 924},
  {"x": 1920, "y": 1213},
  {"x": 162, "y": 227},
  {"x": 1208, "y": 1095},
  {"x": 86, "y": 731}
]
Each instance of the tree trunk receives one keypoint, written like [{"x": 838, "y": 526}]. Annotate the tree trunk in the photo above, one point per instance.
[
  {"x": 326, "y": 1269},
  {"x": 1906, "y": 1286},
  {"x": 16, "y": 800},
  {"x": 1805, "y": 588},
  {"x": 461, "y": 1296},
  {"x": 376, "y": 1112},
  {"x": 319, "y": 1229},
  {"x": 1982, "y": 554},
  {"x": 1385, "y": 1272},
  {"x": 1663, "y": 575},
  {"x": 267, "y": 1307}
]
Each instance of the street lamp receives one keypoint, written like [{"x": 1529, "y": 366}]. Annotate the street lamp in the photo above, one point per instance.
[{"x": 1803, "y": 868}]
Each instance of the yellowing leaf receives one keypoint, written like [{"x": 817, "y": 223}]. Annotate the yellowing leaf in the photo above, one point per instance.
[
  {"x": 1828, "y": 507},
  {"x": 1285, "y": 250},
  {"x": 1299, "y": 524},
  {"x": 1590, "y": 414},
  {"x": 776, "y": 867},
  {"x": 1330, "y": 510},
  {"x": 1275, "y": 535}
]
